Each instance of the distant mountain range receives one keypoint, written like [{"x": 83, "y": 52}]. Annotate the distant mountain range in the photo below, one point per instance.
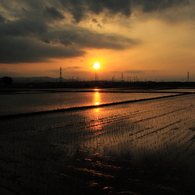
[{"x": 36, "y": 79}]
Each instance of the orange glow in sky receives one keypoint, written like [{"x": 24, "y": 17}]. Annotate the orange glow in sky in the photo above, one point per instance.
[{"x": 147, "y": 41}]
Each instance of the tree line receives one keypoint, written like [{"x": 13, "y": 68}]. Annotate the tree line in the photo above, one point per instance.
[{"x": 6, "y": 80}]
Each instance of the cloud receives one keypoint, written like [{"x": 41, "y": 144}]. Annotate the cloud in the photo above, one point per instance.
[
  {"x": 53, "y": 13},
  {"x": 156, "y": 5},
  {"x": 34, "y": 30},
  {"x": 2, "y": 19},
  {"x": 85, "y": 38},
  {"x": 29, "y": 33},
  {"x": 99, "y": 25},
  {"x": 114, "y": 7},
  {"x": 20, "y": 42},
  {"x": 81, "y": 8},
  {"x": 22, "y": 27},
  {"x": 20, "y": 50},
  {"x": 94, "y": 20},
  {"x": 75, "y": 7}
]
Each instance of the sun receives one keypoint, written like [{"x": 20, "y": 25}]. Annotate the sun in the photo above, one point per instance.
[{"x": 96, "y": 65}]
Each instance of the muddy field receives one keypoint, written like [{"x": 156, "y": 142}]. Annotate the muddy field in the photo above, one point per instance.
[{"x": 146, "y": 147}]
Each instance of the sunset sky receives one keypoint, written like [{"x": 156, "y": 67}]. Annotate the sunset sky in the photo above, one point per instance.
[{"x": 146, "y": 39}]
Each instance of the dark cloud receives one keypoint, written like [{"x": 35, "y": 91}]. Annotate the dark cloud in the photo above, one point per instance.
[
  {"x": 32, "y": 31},
  {"x": 83, "y": 38},
  {"x": 2, "y": 19},
  {"x": 53, "y": 13},
  {"x": 76, "y": 7},
  {"x": 99, "y": 25},
  {"x": 155, "y": 5},
  {"x": 25, "y": 40},
  {"x": 34, "y": 4},
  {"x": 94, "y": 20},
  {"x": 113, "y": 6},
  {"x": 80, "y": 8},
  {"x": 17, "y": 50},
  {"x": 22, "y": 27}
]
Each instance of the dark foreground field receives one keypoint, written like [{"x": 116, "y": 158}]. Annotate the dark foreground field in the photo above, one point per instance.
[
  {"x": 96, "y": 175},
  {"x": 144, "y": 147}
]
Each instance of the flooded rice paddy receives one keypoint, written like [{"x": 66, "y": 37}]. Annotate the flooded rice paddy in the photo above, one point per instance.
[
  {"x": 36, "y": 102},
  {"x": 145, "y": 147}
]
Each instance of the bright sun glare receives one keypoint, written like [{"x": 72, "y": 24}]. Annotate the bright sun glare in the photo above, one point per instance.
[{"x": 96, "y": 65}]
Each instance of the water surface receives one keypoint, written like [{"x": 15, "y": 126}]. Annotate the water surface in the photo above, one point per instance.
[{"x": 25, "y": 103}]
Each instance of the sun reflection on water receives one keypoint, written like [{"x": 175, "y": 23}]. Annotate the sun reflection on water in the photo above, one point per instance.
[
  {"x": 97, "y": 98},
  {"x": 97, "y": 110},
  {"x": 97, "y": 124}
]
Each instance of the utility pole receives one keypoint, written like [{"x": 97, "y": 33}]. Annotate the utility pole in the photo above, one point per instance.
[
  {"x": 188, "y": 76},
  {"x": 122, "y": 77},
  {"x": 60, "y": 75},
  {"x": 96, "y": 76},
  {"x": 113, "y": 78}
]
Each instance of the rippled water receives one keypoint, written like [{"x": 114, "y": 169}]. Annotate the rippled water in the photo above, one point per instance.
[{"x": 24, "y": 103}]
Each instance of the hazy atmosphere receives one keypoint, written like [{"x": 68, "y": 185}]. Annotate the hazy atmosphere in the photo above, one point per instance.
[{"x": 149, "y": 39}]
